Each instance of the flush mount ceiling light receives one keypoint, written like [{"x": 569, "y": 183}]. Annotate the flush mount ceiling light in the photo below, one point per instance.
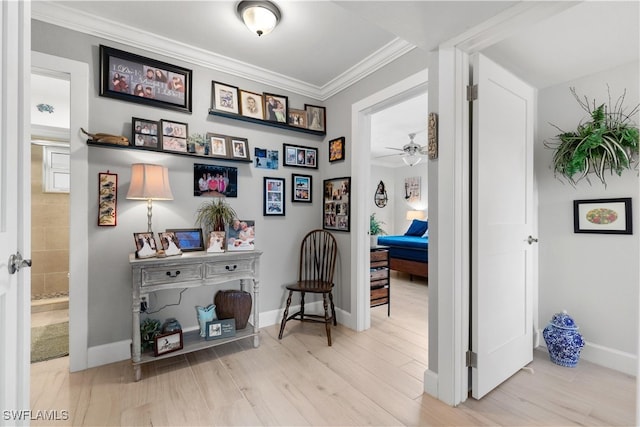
[{"x": 261, "y": 17}]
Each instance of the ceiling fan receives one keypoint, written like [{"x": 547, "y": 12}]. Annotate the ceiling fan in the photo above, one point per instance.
[{"x": 412, "y": 153}]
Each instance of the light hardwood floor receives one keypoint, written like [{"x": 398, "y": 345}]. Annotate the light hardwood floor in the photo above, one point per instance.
[{"x": 368, "y": 378}]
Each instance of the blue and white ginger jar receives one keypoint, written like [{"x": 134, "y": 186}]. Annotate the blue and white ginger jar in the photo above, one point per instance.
[{"x": 564, "y": 342}]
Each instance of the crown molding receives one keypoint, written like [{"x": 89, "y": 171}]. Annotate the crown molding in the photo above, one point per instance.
[{"x": 75, "y": 20}]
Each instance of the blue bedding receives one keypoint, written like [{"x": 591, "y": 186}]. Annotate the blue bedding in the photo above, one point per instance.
[{"x": 411, "y": 248}]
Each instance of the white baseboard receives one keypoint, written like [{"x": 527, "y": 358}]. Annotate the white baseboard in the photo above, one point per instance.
[
  {"x": 431, "y": 383},
  {"x": 608, "y": 357}
]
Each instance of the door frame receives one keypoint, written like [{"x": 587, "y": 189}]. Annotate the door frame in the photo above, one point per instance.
[{"x": 79, "y": 194}]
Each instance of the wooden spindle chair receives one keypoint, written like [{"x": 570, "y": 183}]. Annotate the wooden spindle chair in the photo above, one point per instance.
[{"x": 315, "y": 275}]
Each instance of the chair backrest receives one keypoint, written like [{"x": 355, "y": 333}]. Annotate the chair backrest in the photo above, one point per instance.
[{"x": 318, "y": 256}]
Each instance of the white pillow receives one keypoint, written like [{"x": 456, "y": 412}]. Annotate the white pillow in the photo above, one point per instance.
[{"x": 426, "y": 233}]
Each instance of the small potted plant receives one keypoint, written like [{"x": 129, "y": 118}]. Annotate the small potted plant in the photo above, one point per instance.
[
  {"x": 215, "y": 214},
  {"x": 375, "y": 229},
  {"x": 608, "y": 142}
]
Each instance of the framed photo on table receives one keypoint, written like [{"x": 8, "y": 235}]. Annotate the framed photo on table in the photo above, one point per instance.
[
  {"x": 273, "y": 197},
  {"x": 141, "y": 80},
  {"x": 301, "y": 188},
  {"x": 224, "y": 97},
  {"x": 336, "y": 207},
  {"x": 603, "y": 216},
  {"x": 146, "y": 246},
  {"x": 189, "y": 239}
]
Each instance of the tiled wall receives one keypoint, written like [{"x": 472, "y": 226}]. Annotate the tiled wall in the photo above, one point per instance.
[{"x": 49, "y": 236}]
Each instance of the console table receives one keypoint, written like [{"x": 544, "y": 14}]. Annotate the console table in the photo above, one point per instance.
[{"x": 191, "y": 270}]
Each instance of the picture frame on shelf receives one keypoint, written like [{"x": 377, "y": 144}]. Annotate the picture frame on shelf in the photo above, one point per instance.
[
  {"x": 251, "y": 104},
  {"x": 218, "y": 145},
  {"x": 170, "y": 243},
  {"x": 217, "y": 329},
  {"x": 603, "y": 216},
  {"x": 215, "y": 180},
  {"x": 239, "y": 148},
  {"x": 189, "y": 239},
  {"x": 145, "y": 245},
  {"x": 336, "y": 149},
  {"x": 299, "y": 156},
  {"x": 174, "y": 136},
  {"x": 224, "y": 97},
  {"x": 275, "y": 107},
  {"x": 336, "y": 207},
  {"x": 316, "y": 117},
  {"x": 273, "y": 201},
  {"x": 107, "y": 199},
  {"x": 301, "y": 188},
  {"x": 241, "y": 235},
  {"x": 297, "y": 118},
  {"x": 167, "y": 343},
  {"x": 145, "y": 133},
  {"x": 134, "y": 78}
]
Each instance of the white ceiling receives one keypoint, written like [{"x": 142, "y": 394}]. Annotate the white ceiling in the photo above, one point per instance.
[{"x": 322, "y": 47}]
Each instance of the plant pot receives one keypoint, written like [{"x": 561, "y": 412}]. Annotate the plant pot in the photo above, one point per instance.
[
  {"x": 374, "y": 240},
  {"x": 233, "y": 304}
]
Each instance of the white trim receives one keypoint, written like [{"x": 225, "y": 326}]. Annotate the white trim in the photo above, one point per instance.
[
  {"x": 360, "y": 170},
  {"x": 83, "y": 22},
  {"x": 78, "y": 73},
  {"x": 611, "y": 358},
  {"x": 431, "y": 383}
]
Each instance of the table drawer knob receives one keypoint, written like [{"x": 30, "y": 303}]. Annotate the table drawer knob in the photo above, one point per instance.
[
  {"x": 231, "y": 267},
  {"x": 173, "y": 274}
]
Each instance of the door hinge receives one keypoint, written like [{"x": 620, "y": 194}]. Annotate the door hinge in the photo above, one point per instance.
[
  {"x": 472, "y": 92},
  {"x": 472, "y": 359}
]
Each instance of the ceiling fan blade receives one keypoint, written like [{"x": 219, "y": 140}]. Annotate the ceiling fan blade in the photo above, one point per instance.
[
  {"x": 389, "y": 155},
  {"x": 394, "y": 148}
]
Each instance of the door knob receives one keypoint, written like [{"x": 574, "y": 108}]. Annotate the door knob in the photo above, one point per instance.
[
  {"x": 532, "y": 240},
  {"x": 16, "y": 263}
]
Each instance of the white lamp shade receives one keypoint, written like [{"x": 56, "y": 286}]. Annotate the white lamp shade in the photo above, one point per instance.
[
  {"x": 261, "y": 17},
  {"x": 411, "y": 215},
  {"x": 411, "y": 160},
  {"x": 149, "y": 182}
]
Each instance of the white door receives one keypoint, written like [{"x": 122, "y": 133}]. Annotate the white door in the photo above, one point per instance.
[
  {"x": 14, "y": 288},
  {"x": 502, "y": 196}
]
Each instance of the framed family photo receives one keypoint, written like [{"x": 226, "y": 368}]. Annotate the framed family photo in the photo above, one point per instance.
[
  {"x": 273, "y": 197},
  {"x": 251, "y": 105},
  {"x": 301, "y": 188},
  {"x": 240, "y": 149},
  {"x": 215, "y": 180},
  {"x": 297, "y": 118},
  {"x": 300, "y": 156},
  {"x": 316, "y": 117},
  {"x": 141, "y": 80},
  {"x": 603, "y": 216},
  {"x": 146, "y": 246},
  {"x": 107, "y": 199},
  {"x": 275, "y": 107},
  {"x": 337, "y": 204},
  {"x": 166, "y": 343},
  {"x": 170, "y": 243},
  {"x": 218, "y": 144},
  {"x": 174, "y": 136},
  {"x": 224, "y": 97},
  {"x": 145, "y": 133}
]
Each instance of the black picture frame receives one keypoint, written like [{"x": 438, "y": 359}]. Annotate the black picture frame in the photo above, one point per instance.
[
  {"x": 273, "y": 200},
  {"x": 217, "y": 329},
  {"x": 145, "y": 133},
  {"x": 301, "y": 188},
  {"x": 603, "y": 216},
  {"x": 336, "y": 149},
  {"x": 274, "y": 112},
  {"x": 121, "y": 73},
  {"x": 226, "y": 186},
  {"x": 316, "y": 117},
  {"x": 239, "y": 148},
  {"x": 190, "y": 239},
  {"x": 174, "y": 136},
  {"x": 168, "y": 343},
  {"x": 336, "y": 206},
  {"x": 299, "y": 156},
  {"x": 225, "y": 98}
]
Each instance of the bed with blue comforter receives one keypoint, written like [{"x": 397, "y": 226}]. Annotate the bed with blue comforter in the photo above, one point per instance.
[{"x": 409, "y": 252}]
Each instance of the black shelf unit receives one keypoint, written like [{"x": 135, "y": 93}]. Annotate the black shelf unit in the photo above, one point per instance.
[{"x": 265, "y": 122}]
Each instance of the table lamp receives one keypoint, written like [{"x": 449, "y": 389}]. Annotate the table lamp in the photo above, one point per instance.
[
  {"x": 149, "y": 182},
  {"x": 411, "y": 215}
]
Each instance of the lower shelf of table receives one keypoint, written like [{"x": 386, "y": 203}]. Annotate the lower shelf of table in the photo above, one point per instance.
[{"x": 193, "y": 342}]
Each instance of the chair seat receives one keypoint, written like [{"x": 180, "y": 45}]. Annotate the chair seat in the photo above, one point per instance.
[{"x": 313, "y": 286}]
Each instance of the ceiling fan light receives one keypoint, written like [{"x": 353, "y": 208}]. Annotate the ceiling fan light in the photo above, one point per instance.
[
  {"x": 261, "y": 17},
  {"x": 411, "y": 160}
]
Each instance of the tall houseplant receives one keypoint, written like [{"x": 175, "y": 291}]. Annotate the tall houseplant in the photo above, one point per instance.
[
  {"x": 607, "y": 142},
  {"x": 375, "y": 229},
  {"x": 215, "y": 214}
]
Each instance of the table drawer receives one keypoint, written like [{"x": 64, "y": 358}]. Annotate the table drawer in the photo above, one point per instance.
[
  {"x": 378, "y": 274},
  {"x": 169, "y": 274},
  {"x": 377, "y": 294},
  {"x": 235, "y": 266},
  {"x": 379, "y": 255}
]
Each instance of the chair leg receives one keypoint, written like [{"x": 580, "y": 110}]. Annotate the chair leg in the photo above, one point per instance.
[
  {"x": 301, "y": 306},
  {"x": 327, "y": 320},
  {"x": 333, "y": 309},
  {"x": 284, "y": 316}
]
